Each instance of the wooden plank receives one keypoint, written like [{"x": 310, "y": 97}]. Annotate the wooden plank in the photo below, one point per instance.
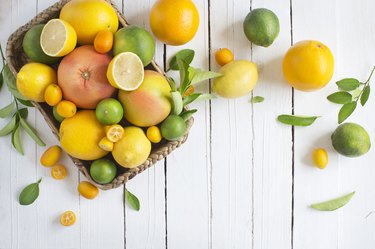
[
  {"x": 188, "y": 182},
  {"x": 272, "y": 141},
  {"x": 146, "y": 228},
  {"x": 314, "y": 229},
  {"x": 232, "y": 137}
]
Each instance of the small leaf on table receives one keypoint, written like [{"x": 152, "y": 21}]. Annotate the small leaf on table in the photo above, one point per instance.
[
  {"x": 186, "y": 115},
  {"x": 132, "y": 200},
  {"x": 340, "y": 97},
  {"x": 365, "y": 95},
  {"x": 7, "y": 129},
  {"x": 6, "y": 111},
  {"x": 32, "y": 132},
  {"x": 297, "y": 120},
  {"x": 346, "y": 110},
  {"x": 333, "y": 204},
  {"x": 186, "y": 55},
  {"x": 16, "y": 139},
  {"x": 177, "y": 103},
  {"x": 348, "y": 84},
  {"x": 257, "y": 99},
  {"x": 29, "y": 194}
]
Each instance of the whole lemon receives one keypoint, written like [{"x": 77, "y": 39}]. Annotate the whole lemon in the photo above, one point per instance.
[
  {"x": 80, "y": 136},
  {"x": 308, "y": 65},
  {"x": 133, "y": 149},
  {"x": 174, "y": 22},
  {"x": 88, "y": 17},
  {"x": 239, "y": 78},
  {"x": 33, "y": 79}
]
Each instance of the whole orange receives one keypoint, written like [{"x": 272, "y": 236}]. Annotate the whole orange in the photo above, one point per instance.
[{"x": 174, "y": 22}]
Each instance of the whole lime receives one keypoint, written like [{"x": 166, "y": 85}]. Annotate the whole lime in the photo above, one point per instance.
[
  {"x": 103, "y": 171},
  {"x": 351, "y": 140},
  {"x": 173, "y": 127},
  {"x": 109, "y": 111},
  {"x": 136, "y": 40},
  {"x": 56, "y": 115},
  {"x": 261, "y": 27},
  {"x": 31, "y": 46}
]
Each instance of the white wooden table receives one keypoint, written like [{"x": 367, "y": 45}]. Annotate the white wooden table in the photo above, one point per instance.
[{"x": 242, "y": 180}]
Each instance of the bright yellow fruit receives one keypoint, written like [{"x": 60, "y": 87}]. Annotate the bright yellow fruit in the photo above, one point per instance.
[
  {"x": 88, "y": 190},
  {"x": 308, "y": 65},
  {"x": 239, "y": 78},
  {"x": 33, "y": 79},
  {"x": 174, "y": 22},
  {"x": 133, "y": 149},
  {"x": 51, "y": 156},
  {"x": 59, "y": 172},
  {"x": 105, "y": 144},
  {"x": 68, "y": 218},
  {"x": 320, "y": 158},
  {"x": 81, "y": 134},
  {"x": 66, "y": 109},
  {"x": 53, "y": 95},
  {"x": 88, "y": 17},
  {"x": 115, "y": 133},
  {"x": 154, "y": 134}
]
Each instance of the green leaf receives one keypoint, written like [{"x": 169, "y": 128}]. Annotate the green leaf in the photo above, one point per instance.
[
  {"x": 32, "y": 132},
  {"x": 24, "y": 112},
  {"x": 200, "y": 75},
  {"x": 346, "y": 110},
  {"x": 184, "y": 75},
  {"x": 340, "y": 97},
  {"x": 30, "y": 193},
  {"x": 206, "y": 96},
  {"x": 186, "y": 55},
  {"x": 177, "y": 103},
  {"x": 172, "y": 83},
  {"x": 132, "y": 200},
  {"x": 16, "y": 139},
  {"x": 1, "y": 80},
  {"x": 365, "y": 95},
  {"x": 7, "y": 129},
  {"x": 334, "y": 203},
  {"x": 297, "y": 120},
  {"x": 10, "y": 81},
  {"x": 186, "y": 115},
  {"x": 25, "y": 102},
  {"x": 348, "y": 84},
  {"x": 189, "y": 99},
  {"x": 257, "y": 99},
  {"x": 7, "y": 111}
]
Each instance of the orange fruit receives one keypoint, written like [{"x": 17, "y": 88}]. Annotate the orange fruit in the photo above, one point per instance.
[
  {"x": 51, "y": 156},
  {"x": 68, "y": 218},
  {"x": 53, "y": 94},
  {"x": 174, "y": 22},
  {"x": 103, "y": 41},
  {"x": 115, "y": 133},
  {"x": 59, "y": 172},
  {"x": 88, "y": 190},
  {"x": 153, "y": 134},
  {"x": 308, "y": 65},
  {"x": 223, "y": 56},
  {"x": 66, "y": 109}
]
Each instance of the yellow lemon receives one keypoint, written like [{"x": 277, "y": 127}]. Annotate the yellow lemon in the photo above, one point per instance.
[
  {"x": 308, "y": 65},
  {"x": 81, "y": 134},
  {"x": 133, "y": 149},
  {"x": 33, "y": 79},
  {"x": 174, "y": 22},
  {"x": 88, "y": 17}
]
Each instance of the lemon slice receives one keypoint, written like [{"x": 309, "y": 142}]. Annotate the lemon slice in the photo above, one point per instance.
[
  {"x": 115, "y": 133},
  {"x": 105, "y": 144},
  {"x": 58, "y": 38},
  {"x": 126, "y": 71}
]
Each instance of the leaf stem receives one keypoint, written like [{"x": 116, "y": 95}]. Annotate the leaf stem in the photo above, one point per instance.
[
  {"x": 365, "y": 84},
  {"x": 2, "y": 55}
]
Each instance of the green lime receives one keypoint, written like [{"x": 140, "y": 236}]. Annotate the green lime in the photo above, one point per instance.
[
  {"x": 261, "y": 27},
  {"x": 351, "y": 140},
  {"x": 137, "y": 40},
  {"x": 31, "y": 46},
  {"x": 173, "y": 127},
  {"x": 56, "y": 115},
  {"x": 103, "y": 171},
  {"x": 109, "y": 111}
]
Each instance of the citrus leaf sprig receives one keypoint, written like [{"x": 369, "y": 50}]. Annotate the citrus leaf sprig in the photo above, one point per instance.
[
  {"x": 189, "y": 76},
  {"x": 29, "y": 194},
  {"x": 297, "y": 120},
  {"x": 333, "y": 204},
  {"x": 17, "y": 115},
  {"x": 351, "y": 91},
  {"x": 132, "y": 200}
]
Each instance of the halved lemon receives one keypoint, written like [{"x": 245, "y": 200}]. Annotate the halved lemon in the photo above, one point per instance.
[
  {"x": 115, "y": 133},
  {"x": 126, "y": 71},
  {"x": 58, "y": 38},
  {"x": 68, "y": 218},
  {"x": 59, "y": 172},
  {"x": 105, "y": 144}
]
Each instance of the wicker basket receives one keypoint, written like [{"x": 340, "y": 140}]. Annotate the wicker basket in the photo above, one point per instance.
[{"x": 16, "y": 58}]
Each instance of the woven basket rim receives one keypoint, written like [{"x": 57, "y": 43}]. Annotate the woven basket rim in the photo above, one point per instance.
[{"x": 156, "y": 155}]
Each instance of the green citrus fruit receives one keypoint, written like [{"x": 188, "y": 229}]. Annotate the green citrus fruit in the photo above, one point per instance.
[
  {"x": 261, "y": 27},
  {"x": 351, "y": 140},
  {"x": 136, "y": 40},
  {"x": 109, "y": 111},
  {"x": 173, "y": 128},
  {"x": 31, "y": 46},
  {"x": 57, "y": 116},
  {"x": 103, "y": 171}
]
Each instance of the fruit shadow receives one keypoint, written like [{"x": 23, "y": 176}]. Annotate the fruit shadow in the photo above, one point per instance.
[
  {"x": 271, "y": 71},
  {"x": 323, "y": 141}
]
